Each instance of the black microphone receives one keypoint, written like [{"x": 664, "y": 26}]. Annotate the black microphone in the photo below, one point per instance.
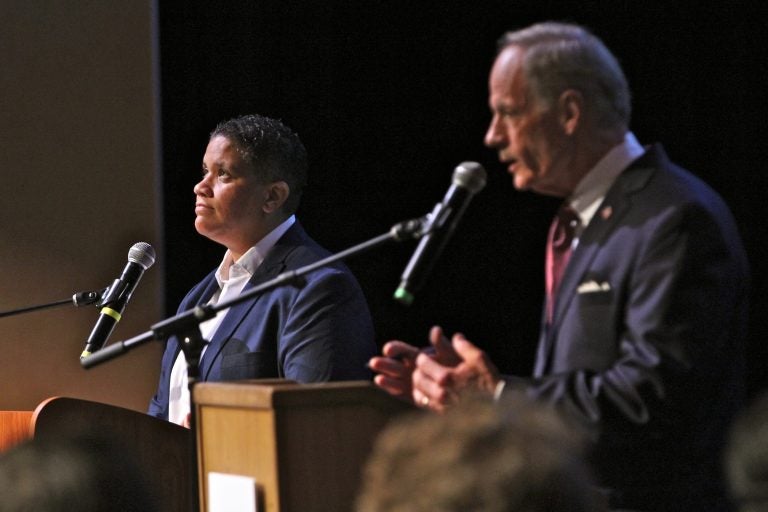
[
  {"x": 141, "y": 256},
  {"x": 468, "y": 179}
]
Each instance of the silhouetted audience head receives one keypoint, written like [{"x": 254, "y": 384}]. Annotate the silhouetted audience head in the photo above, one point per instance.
[
  {"x": 510, "y": 457},
  {"x": 78, "y": 474},
  {"x": 746, "y": 458}
]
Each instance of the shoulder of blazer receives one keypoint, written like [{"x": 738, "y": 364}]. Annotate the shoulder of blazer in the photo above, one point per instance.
[
  {"x": 294, "y": 248},
  {"x": 639, "y": 172}
]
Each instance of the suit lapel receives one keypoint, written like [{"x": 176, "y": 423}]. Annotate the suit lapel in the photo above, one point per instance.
[
  {"x": 207, "y": 288},
  {"x": 590, "y": 243},
  {"x": 271, "y": 267}
]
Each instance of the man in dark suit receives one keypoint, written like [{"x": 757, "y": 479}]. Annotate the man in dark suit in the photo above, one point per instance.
[
  {"x": 642, "y": 333},
  {"x": 254, "y": 170}
]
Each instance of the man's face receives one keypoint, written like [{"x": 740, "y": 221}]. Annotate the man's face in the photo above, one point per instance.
[
  {"x": 229, "y": 198},
  {"x": 528, "y": 136}
]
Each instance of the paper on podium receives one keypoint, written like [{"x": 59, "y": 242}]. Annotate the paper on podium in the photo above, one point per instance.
[{"x": 231, "y": 493}]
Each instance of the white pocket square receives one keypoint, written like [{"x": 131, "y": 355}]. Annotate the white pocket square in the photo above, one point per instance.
[{"x": 593, "y": 287}]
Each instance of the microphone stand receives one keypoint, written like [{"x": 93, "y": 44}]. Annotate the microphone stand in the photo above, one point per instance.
[
  {"x": 78, "y": 299},
  {"x": 186, "y": 325}
]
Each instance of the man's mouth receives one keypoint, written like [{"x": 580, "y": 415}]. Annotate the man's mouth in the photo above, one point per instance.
[{"x": 511, "y": 164}]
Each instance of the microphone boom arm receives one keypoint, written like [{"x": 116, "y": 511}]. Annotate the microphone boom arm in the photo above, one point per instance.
[
  {"x": 78, "y": 299},
  {"x": 185, "y": 325}
]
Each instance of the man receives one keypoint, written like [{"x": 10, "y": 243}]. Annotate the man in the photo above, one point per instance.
[
  {"x": 254, "y": 170},
  {"x": 642, "y": 333}
]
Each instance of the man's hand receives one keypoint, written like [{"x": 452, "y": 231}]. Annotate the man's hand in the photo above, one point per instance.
[
  {"x": 439, "y": 382},
  {"x": 394, "y": 368},
  {"x": 398, "y": 361}
]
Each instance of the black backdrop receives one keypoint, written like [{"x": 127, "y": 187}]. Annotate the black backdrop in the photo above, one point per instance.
[{"x": 390, "y": 95}]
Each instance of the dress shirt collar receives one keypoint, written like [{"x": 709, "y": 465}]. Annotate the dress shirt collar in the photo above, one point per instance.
[
  {"x": 253, "y": 257},
  {"x": 591, "y": 190}
]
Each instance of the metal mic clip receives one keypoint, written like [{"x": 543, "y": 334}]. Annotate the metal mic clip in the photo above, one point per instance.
[
  {"x": 411, "y": 229},
  {"x": 88, "y": 298}
]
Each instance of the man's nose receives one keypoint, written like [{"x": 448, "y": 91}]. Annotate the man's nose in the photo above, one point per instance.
[{"x": 493, "y": 136}]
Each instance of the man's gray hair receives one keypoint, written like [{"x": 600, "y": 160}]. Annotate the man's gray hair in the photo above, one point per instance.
[{"x": 561, "y": 56}]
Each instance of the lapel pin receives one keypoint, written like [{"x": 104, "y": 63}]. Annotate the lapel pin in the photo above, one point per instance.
[{"x": 606, "y": 212}]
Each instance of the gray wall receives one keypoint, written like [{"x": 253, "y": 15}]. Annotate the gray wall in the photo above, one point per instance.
[{"x": 78, "y": 150}]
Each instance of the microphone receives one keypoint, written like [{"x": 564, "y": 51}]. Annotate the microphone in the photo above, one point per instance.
[
  {"x": 141, "y": 256},
  {"x": 468, "y": 179}
]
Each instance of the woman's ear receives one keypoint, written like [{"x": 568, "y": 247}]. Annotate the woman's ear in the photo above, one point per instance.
[{"x": 277, "y": 193}]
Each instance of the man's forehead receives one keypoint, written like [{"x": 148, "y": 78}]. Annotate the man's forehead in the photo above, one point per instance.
[
  {"x": 506, "y": 80},
  {"x": 508, "y": 64}
]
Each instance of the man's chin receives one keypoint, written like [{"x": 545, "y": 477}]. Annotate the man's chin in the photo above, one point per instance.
[{"x": 523, "y": 180}]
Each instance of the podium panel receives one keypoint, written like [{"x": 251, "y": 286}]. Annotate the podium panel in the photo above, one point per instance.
[
  {"x": 162, "y": 449},
  {"x": 15, "y": 427},
  {"x": 304, "y": 444}
]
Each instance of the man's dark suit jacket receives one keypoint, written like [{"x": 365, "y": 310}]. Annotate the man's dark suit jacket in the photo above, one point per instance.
[
  {"x": 318, "y": 332},
  {"x": 646, "y": 343}
]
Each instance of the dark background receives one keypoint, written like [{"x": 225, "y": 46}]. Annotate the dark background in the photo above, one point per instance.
[{"x": 390, "y": 95}]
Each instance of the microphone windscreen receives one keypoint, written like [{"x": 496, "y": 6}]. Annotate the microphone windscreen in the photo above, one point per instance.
[
  {"x": 471, "y": 176},
  {"x": 143, "y": 254}
]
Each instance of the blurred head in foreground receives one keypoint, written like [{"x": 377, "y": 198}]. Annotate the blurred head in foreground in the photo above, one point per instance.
[
  {"x": 83, "y": 474},
  {"x": 479, "y": 456},
  {"x": 746, "y": 457}
]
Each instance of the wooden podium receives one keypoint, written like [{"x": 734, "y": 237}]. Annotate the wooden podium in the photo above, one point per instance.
[
  {"x": 162, "y": 449},
  {"x": 304, "y": 444}
]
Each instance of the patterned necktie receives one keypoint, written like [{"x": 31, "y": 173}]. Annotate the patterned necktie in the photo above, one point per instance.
[{"x": 559, "y": 244}]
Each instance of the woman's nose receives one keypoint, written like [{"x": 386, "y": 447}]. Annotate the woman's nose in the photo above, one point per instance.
[{"x": 202, "y": 188}]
